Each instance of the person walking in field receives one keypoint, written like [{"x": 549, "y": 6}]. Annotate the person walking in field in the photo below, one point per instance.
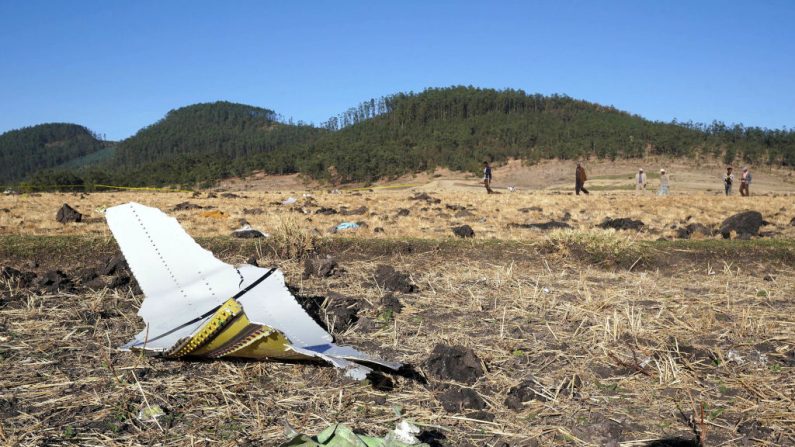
[
  {"x": 579, "y": 180},
  {"x": 728, "y": 179},
  {"x": 487, "y": 177},
  {"x": 663, "y": 191},
  {"x": 745, "y": 182},
  {"x": 640, "y": 180}
]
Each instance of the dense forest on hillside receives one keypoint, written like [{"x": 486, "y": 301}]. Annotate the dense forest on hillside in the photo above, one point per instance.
[
  {"x": 205, "y": 142},
  {"x": 459, "y": 127},
  {"x": 456, "y": 127},
  {"x": 27, "y": 150}
]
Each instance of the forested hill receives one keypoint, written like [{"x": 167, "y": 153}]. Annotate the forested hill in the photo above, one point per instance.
[
  {"x": 456, "y": 127},
  {"x": 459, "y": 127},
  {"x": 30, "y": 149},
  {"x": 205, "y": 142}
]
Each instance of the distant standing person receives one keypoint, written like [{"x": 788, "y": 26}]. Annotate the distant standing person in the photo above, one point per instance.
[
  {"x": 640, "y": 180},
  {"x": 745, "y": 182},
  {"x": 487, "y": 177},
  {"x": 728, "y": 179},
  {"x": 663, "y": 191},
  {"x": 579, "y": 180}
]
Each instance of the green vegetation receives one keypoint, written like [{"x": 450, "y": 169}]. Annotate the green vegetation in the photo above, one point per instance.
[
  {"x": 31, "y": 149},
  {"x": 455, "y": 127}
]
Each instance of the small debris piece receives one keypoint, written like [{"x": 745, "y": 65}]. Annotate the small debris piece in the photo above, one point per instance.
[
  {"x": 464, "y": 231},
  {"x": 150, "y": 413},
  {"x": 455, "y": 363},
  {"x": 68, "y": 214},
  {"x": 402, "y": 212}
]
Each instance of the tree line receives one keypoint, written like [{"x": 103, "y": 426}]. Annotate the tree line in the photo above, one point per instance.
[{"x": 455, "y": 127}]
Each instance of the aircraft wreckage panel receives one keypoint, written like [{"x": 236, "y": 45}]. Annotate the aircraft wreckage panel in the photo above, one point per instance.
[{"x": 197, "y": 305}]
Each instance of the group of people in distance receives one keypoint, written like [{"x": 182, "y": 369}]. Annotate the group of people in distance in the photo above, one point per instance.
[
  {"x": 745, "y": 182},
  {"x": 640, "y": 181}
]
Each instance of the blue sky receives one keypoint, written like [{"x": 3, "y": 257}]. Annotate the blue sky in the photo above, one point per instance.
[{"x": 116, "y": 66}]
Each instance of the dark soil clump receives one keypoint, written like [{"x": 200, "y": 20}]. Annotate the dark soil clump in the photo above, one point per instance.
[
  {"x": 185, "y": 206},
  {"x": 694, "y": 228},
  {"x": 524, "y": 392},
  {"x": 551, "y": 225},
  {"x": 464, "y": 231},
  {"x": 455, "y": 398},
  {"x": 321, "y": 267},
  {"x": 391, "y": 303},
  {"x": 622, "y": 223},
  {"x": 354, "y": 212},
  {"x": 744, "y": 224},
  {"x": 455, "y": 363},
  {"x": 68, "y": 214},
  {"x": 390, "y": 279}
]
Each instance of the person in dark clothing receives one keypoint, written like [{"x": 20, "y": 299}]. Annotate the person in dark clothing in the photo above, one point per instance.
[
  {"x": 580, "y": 178},
  {"x": 728, "y": 179},
  {"x": 487, "y": 177}
]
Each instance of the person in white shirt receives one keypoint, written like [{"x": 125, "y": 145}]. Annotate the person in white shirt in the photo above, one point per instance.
[
  {"x": 663, "y": 191},
  {"x": 640, "y": 180}
]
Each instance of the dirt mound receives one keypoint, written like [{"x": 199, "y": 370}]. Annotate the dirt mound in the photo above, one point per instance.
[
  {"x": 402, "y": 212},
  {"x": 744, "y": 224},
  {"x": 68, "y": 214},
  {"x": 455, "y": 363},
  {"x": 390, "y": 279},
  {"x": 464, "y": 231},
  {"x": 622, "y": 223},
  {"x": 550, "y": 225}
]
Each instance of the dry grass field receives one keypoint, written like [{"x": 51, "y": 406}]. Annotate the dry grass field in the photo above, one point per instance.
[{"x": 583, "y": 336}]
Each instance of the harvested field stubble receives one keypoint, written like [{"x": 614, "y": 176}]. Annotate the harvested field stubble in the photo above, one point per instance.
[
  {"x": 592, "y": 356},
  {"x": 501, "y": 216},
  {"x": 584, "y": 336}
]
